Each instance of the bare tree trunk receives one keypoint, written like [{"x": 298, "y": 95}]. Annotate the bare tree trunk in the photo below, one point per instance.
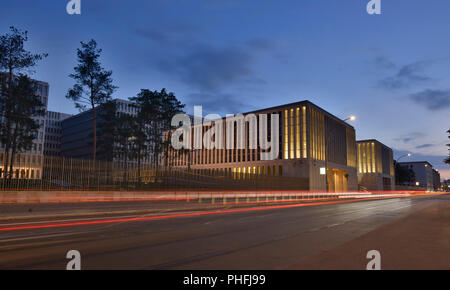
[
  {"x": 8, "y": 124},
  {"x": 94, "y": 128}
]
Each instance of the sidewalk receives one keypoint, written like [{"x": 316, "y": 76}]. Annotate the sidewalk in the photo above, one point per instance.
[{"x": 418, "y": 241}]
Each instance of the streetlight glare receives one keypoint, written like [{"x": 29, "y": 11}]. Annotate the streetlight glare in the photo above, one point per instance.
[{"x": 352, "y": 118}]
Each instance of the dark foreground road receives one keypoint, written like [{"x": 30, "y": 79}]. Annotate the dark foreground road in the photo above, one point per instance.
[{"x": 323, "y": 236}]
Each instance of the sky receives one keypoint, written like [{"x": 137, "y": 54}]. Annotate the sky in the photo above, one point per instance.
[{"x": 391, "y": 70}]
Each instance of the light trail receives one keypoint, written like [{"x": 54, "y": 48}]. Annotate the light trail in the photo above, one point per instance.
[
  {"x": 69, "y": 197},
  {"x": 168, "y": 216}
]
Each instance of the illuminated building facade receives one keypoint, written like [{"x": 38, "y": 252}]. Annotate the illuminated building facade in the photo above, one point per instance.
[
  {"x": 313, "y": 145},
  {"x": 375, "y": 166}
]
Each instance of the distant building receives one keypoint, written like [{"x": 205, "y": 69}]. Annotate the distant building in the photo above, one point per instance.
[
  {"x": 436, "y": 180},
  {"x": 423, "y": 171},
  {"x": 53, "y": 133},
  {"x": 316, "y": 148},
  {"x": 375, "y": 165},
  {"x": 77, "y": 132},
  {"x": 28, "y": 164}
]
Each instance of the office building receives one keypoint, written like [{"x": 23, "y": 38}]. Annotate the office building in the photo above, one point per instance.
[
  {"x": 28, "y": 164},
  {"x": 375, "y": 166},
  {"x": 77, "y": 133},
  {"x": 53, "y": 133},
  {"x": 436, "y": 180},
  {"x": 423, "y": 172},
  {"x": 314, "y": 146}
]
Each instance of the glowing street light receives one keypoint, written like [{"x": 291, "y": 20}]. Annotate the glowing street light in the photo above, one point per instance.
[
  {"x": 350, "y": 118},
  {"x": 406, "y": 155}
]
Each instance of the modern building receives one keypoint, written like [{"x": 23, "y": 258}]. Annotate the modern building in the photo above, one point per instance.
[
  {"x": 314, "y": 146},
  {"x": 423, "y": 171},
  {"x": 53, "y": 133},
  {"x": 375, "y": 165},
  {"x": 77, "y": 132},
  {"x": 436, "y": 180},
  {"x": 28, "y": 164}
]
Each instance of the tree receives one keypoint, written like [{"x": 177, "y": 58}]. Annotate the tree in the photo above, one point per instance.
[
  {"x": 170, "y": 107},
  {"x": 148, "y": 104},
  {"x": 14, "y": 58},
  {"x": 22, "y": 124},
  {"x": 403, "y": 174},
  {"x": 93, "y": 85},
  {"x": 155, "y": 113},
  {"x": 447, "y": 160},
  {"x": 107, "y": 128}
]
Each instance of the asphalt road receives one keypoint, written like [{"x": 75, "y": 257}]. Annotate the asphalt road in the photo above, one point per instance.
[{"x": 257, "y": 239}]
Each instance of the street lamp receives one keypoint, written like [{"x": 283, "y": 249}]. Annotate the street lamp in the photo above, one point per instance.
[
  {"x": 349, "y": 118},
  {"x": 406, "y": 155}
]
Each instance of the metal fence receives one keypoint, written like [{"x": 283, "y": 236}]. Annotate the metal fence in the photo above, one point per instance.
[{"x": 58, "y": 173}]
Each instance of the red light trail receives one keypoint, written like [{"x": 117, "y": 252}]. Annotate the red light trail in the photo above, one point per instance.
[{"x": 168, "y": 216}]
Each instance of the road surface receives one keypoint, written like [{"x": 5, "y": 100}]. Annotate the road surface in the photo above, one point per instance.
[{"x": 275, "y": 238}]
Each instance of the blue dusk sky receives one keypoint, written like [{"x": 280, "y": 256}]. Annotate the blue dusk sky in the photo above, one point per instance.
[{"x": 391, "y": 70}]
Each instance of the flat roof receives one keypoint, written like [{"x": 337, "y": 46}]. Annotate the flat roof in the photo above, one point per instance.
[
  {"x": 304, "y": 102},
  {"x": 416, "y": 162},
  {"x": 373, "y": 140}
]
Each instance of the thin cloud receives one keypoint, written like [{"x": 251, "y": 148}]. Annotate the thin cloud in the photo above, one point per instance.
[
  {"x": 424, "y": 146},
  {"x": 406, "y": 76},
  {"x": 406, "y": 138},
  {"x": 432, "y": 99}
]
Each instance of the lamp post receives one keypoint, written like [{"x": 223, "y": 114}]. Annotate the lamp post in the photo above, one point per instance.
[
  {"x": 350, "y": 118},
  {"x": 406, "y": 155}
]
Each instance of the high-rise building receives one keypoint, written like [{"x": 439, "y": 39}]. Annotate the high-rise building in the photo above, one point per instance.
[
  {"x": 28, "y": 164},
  {"x": 375, "y": 165},
  {"x": 53, "y": 132},
  {"x": 314, "y": 146},
  {"x": 77, "y": 132}
]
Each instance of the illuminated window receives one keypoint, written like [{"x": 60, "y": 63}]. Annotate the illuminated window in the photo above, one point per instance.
[
  {"x": 305, "y": 155},
  {"x": 286, "y": 135},
  {"x": 364, "y": 161},
  {"x": 297, "y": 133},
  {"x": 291, "y": 137},
  {"x": 373, "y": 158}
]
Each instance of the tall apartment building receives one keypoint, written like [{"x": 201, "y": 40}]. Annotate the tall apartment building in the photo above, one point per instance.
[
  {"x": 314, "y": 146},
  {"x": 28, "y": 164},
  {"x": 53, "y": 132},
  {"x": 375, "y": 165},
  {"x": 423, "y": 171}
]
